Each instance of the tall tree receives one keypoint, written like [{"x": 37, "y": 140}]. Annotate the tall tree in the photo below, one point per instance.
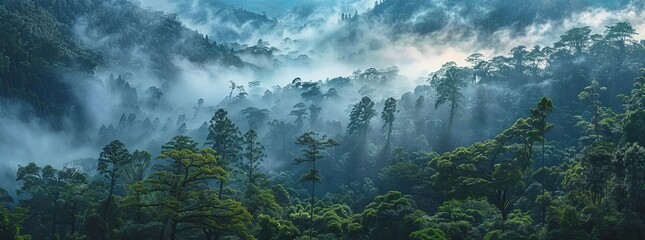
[
  {"x": 620, "y": 33},
  {"x": 591, "y": 94},
  {"x": 11, "y": 226},
  {"x": 314, "y": 115},
  {"x": 388, "y": 117},
  {"x": 597, "y": 163},
  {"x": 575, "y": 40},
  {"x": 634, "y": 165},
  {"x": 54, "y": 198},
  {"x": 300, "y": 111},
  {"x": 359, "y": 118},
  {"x": 538, "y": 119},
  {"x": 538, "y": 115},
  {"x": 256, "y": 117},
  {"x": 198, "y": 107},
  {"x": 225, "y": 139},
  {"x": 180, "y": 142},
  {"x": 232, "y": 87},
  {"x": 187, "y": 201},
  {"x": 111, "y": 160},
  {"x": 253, "y": 153},
  {"x": 448, "y": 88},
  {"x": 480, "y": 170},
  {"x": 313, "y": 152},
  {"x": 519, "y": 54},
  {"x": 136, "y": 169}
]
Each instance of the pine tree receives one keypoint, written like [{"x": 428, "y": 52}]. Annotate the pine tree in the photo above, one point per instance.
[
  {"x": 225, "y": 139},
  {"x": 448, "y": 88},
  {"x": 312, "y": 153},
  {"x": 253, "y": 153},
  {"x": 388, "y": 118},
  {"x": 359, "y": 118},
  {"x": 113, "y": 157}
]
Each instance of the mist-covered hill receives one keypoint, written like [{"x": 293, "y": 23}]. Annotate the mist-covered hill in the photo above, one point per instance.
[
  {"x": 51, "y": 40},
  {"x": 322, "y": 119}
]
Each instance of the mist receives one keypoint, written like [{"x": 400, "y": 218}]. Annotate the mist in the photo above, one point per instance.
[
  {"x": 143, "y": 72},
  {"x": 314, "y": 45}
]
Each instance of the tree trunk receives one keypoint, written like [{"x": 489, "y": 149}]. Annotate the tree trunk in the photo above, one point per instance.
[
  {"x": 311, "y": 216},
  {"x": 108, "y": 201},
  {"x": 543, "y": 171},
  {"x": 173, "y": 230},
  {"x": 452, "y": 115},
  {"x": 73, "y": 219},
  {"x": 221, "y": 187},
  {"x": 387, "y": 146},
  {"x": 251, "y": 158}
]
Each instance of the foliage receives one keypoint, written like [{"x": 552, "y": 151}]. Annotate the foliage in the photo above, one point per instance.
[{"x": 359, "y": 118}]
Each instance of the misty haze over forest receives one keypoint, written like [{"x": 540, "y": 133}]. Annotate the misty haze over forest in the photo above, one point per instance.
[{"x": 348, "y": 119}]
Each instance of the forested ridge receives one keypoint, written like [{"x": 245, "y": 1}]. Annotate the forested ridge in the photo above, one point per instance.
[
  {"x": 42, "y": 40},
  {"x": 544, "y": 142}
]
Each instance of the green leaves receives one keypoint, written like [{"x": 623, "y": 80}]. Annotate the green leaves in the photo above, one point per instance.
[
  {"x": 11, "y": 223},
  {"x": 253, "y": 153},
  {"x": 224, "y": 136},
  {"x": 448, "y": 86},
  {"x": 489, "y": 169},
  {"x": 391, "y": 216},
  {"x": 186, "y": 198},
  {"x": 359, "y": 118},
  {"x": 113, "y": 157},
  {"x": 387, "y": 115},
  {"x": 311, "y": 176}
]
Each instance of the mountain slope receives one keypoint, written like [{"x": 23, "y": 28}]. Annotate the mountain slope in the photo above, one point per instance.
[{"x": 44, "y": 38}]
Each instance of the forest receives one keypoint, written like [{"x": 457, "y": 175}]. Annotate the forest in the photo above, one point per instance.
[{"x": 122, "y": 121}]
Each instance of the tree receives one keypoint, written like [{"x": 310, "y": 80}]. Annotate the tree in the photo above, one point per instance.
[
  {"x": 575, "y": 39},
  {"x": 539, "y": 115},
  {"x": 634, "y": 165},
  {"x": 313, "y": 152},
  {"x": 5, "y": 197},
  {"x": 418, "y": 104},
  {"x": 312, "y": 92},
  {"x": 388, "y": 117},
  {"x": 519, "y": 54},
  {"x": 225, "y": 139},
  {"x": 479, "y": 66},
  {"x": 11, "y": 223},
  {"x": 391, "y": 216},
  {"x": 314, "y": 115},
  {"x": 111, "y": 160},
  {"x": 483, "y": 169},
  {"x": 597, "y": 163},
  {"x": 300, "y": 111},
  {"x": 136, "y": 169},
  {"x": 535, "y": 58},
  {"x": 230, "y": 95},
  {"x": 196, "y": 109},
  {"x": 448, "y": 88},
  {"x": 280, "y": 138},
  {"x": 359, "y": 118},
  {"x": 591, "y": 94},
  {"x": 259, "y": 200},
  {"x": 634, "y": 103},
  {"x": 55, "y": 197},
  {"x": 155, "y": 95},
  {"x": 256, "y": 117},
  {"x": 620, "y": 33},
  {"x": 187, "y": 201},
  {"x": 279, "y": 229},
  {"x": 254, "y": 154},
  {"x": 180, "y": 142}
]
